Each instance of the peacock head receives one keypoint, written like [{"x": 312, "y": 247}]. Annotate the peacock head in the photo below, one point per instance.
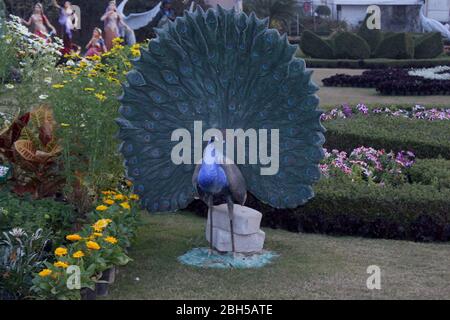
[{"x": 213, "y": 153}]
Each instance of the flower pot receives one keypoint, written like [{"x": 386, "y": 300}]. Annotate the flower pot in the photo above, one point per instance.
[
  {"x": 107, "y": 277},
  {"x": 101, "y": 289},
  {"x": 88, "y": 294}
]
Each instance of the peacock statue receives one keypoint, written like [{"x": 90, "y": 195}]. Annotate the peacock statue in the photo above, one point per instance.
[{"x": 226, "y": 70}]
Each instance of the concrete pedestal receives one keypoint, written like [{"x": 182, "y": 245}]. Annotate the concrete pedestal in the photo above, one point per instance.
[{"x": 248, "y": 238}]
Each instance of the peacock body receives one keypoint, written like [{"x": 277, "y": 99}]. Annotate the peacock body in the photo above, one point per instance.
[{"x": 229, "y": 71}]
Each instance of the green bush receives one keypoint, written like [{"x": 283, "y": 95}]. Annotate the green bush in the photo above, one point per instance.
[
  {"x": 396, "y": 46},
  {"x": 377, "y": 63},
  {"x": 373, "y": 37},
  {"x": 427, "y": 139},
  {"x": 323, "y": 10},
  {"x": 30, "y": 215},
  {"x": 348, "y": 45},
  {"x": 411, "y": 211},
  {"x": 428, "y": 46},
  {"x": 314, "y": 46},
  {"x": 434, "y": 172}
]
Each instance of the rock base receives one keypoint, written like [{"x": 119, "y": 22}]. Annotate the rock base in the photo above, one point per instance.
[{"x": 248, "y": 238}]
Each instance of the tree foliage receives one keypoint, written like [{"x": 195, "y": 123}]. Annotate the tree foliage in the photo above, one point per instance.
[{"x": 276, "y": 10}]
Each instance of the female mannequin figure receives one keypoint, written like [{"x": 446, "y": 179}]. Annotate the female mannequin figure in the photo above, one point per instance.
[
  {"x": 96, "y": 46},
  {"x": 39, "y": 22},
  {"x": 113, "y": 21},
  {"x": 67, "y": 20}
]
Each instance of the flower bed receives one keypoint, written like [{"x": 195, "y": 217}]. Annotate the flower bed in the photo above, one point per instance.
[
  {"x": 95, "y": 247},
  {"x": 397, "y": 81},
  {"x": 417, "y": 112}
]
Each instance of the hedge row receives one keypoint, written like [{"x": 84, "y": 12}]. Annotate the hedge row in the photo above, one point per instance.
[
  {"x": 376, "y": 63},
  {"x": 426, "y": 139},
  {"x": 341, "y": 207}
]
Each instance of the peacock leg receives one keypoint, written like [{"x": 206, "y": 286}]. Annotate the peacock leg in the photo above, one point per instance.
[
  {"x": 230, "y": 205},
  {"x": 210, "y": 208}
]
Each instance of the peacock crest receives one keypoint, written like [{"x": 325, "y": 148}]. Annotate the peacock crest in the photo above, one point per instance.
[{"x": 229, "y": 71}]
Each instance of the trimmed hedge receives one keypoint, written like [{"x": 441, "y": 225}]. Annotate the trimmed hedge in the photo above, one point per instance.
[
  {"x": 434, "y": 172},
  {"x": 376, "y": 63},
  {"x": 372, "y": 37},
  {"x": 429, "y": 46},
  {"x": 396, "y": 46},
  {"x": 348, "y": 45},
  {"x": 427, "y": 139},
  {"x": 341, "y": 207},
  {"x": 313, "y": 45}
]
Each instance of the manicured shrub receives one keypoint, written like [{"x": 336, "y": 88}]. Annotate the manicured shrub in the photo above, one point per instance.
[
  {"x": 348, "y": 45},
  {"x": 314, "y": 46},
  {"x": 434, "y": 172},
  {"x": 323, "y": 10},
  {"x": 396, "y": 46},
  {"x": 373, "y": 37},
  {"x": 427, "y": 139},
  {"x": 411, "y": 211},
  {"x": 428, "y": 46},
  {"x": 377, "y": 63}
]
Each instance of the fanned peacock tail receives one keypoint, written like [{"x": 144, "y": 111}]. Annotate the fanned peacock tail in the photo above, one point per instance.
[{"x": 229, "y": 71}]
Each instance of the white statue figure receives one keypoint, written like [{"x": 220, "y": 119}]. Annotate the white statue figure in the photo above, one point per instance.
[
  {"x": 135, "y": 21},
  {"x": 431, "y": 25}
]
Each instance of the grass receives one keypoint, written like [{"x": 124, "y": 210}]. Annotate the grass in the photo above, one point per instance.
[
  {"x": 309, "y": 267},
  {"x": 333, "y": 96}
]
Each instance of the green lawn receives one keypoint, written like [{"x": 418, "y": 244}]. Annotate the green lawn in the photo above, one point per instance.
[{"x": 309, "y": 267}]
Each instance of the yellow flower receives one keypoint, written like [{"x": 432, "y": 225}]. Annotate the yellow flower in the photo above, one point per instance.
[
  {"x": 106, "y": 193},
  {"x": 111, "y": 240},
  {"x": 101, "y": 224},
  {"x": 73, "y": 237},
  {"x": 117, "y": 41},
  {"x": 60, "y": 252},
  {"x": 134, "y": 197},
  {"x": 60, "y": 264},
  {"x": 94, "y": 58},
  {"x": 78, "y": 254},
  {"x": 45, "y": 273},
  {"x": 93, "y": 245},
  {"x": 58, "y": 86},
  {"x": 135, "y": 52},
  {"x": 119, "y": 197},
  {"x": 100, "y": 97},
  {"x": 101, "y": 208},
  {"x": 97, "y": 234},
  {"x": 125, "y": 205},
  {"x": 108, "y": 202}
]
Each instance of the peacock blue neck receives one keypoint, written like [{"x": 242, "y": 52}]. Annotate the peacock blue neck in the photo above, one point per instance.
[{"x": 211, "y": 177}]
